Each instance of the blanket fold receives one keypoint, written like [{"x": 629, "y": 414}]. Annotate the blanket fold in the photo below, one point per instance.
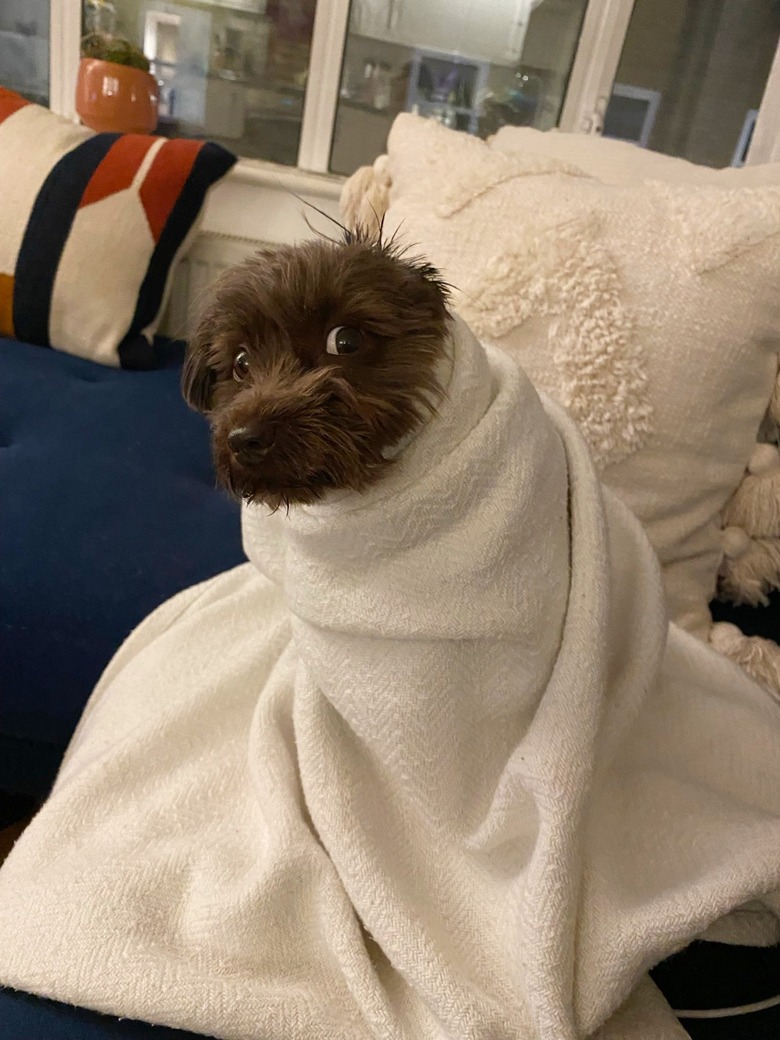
[{"x": 431, "y": 765}]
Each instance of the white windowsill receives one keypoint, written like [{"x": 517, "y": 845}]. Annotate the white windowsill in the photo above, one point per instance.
[{"x": 271, "y": 175}]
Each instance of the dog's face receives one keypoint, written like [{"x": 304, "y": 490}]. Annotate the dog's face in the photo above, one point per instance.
[{"x": 313, "y": 361}]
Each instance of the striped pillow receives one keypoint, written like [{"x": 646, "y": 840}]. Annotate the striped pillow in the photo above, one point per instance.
[{"x": 91, "y": 226}]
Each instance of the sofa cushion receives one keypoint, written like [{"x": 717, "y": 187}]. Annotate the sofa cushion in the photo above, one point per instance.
[
  {"x": 26, "y": 1016},
  {"x": 109, "y": 507},
  {"x": 91, "y": 227}
]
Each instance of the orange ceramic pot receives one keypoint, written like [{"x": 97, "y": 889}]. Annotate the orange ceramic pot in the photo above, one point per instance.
[{"x": 117, "y": 98}]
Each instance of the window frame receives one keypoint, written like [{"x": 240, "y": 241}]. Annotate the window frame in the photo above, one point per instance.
[
  {"x": 328, "y": 43},
  {"x": 64, "y": 47},
  {"x": 765, "y": 143},
  {"x": 595, "y": 66}
]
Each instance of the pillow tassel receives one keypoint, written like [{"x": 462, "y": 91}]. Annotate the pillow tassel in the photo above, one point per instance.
[
  {"x": 365, "y": 196},
  {"x": 755, "y": 505},
  {"x": 774, "y": 401},
  {"x": 750, "y": 567},
  {"x": 759, "y": 657}
]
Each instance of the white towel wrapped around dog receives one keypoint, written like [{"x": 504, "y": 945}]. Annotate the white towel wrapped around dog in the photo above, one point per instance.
[{"x": 427, "y": 767}]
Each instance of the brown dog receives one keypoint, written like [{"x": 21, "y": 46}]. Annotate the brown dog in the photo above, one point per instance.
[{"x": 312, "y": 362}]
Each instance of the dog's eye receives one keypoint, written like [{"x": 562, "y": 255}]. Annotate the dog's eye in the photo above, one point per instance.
[
  {"x": 240, "y": 365},
  {"x": 344, "y": 340}
]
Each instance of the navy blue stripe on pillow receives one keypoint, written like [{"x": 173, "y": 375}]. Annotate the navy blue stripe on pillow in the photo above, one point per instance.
[
  {"x": 211, "y": 164},
  {"x": 48, "y": 227}
]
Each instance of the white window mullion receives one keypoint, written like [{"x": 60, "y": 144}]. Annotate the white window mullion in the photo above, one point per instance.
[
  {"x": 595, "y": 65},
  {"x": 765, "y": 144},
  {"x": 323, "y": 81},
  {"x": 64, "y": 48}
]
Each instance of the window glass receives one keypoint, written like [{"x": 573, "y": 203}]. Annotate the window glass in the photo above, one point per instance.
[
  {"x": 475, "y": 65},
  {"x": 24, "y": 48},
  {"x": 691, "y": 77},
  {"x": 231, "y": 70}
]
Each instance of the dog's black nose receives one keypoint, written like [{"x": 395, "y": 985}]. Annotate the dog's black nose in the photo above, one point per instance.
[{"x": 251, "y": 443}]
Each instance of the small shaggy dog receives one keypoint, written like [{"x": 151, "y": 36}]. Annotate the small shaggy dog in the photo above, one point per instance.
[{"x": 313, "y": 362}]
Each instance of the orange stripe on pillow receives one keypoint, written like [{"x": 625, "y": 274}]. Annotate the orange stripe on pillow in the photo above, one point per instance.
[
  {"x": 7, "y": 305},
  {"x": 116, "y": 171},
  {"x": 164, "y": 182},
  {"x": 10, "y": 103}
]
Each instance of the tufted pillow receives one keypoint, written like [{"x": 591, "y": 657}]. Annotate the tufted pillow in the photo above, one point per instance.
[
  {"x": 648, "y": 307},
  {"x": 91, "y": 226},
  {"x": 620, "y": 162}
]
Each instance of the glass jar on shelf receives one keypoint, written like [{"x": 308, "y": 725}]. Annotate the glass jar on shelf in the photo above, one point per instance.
[{"x": 99, "y": 17}]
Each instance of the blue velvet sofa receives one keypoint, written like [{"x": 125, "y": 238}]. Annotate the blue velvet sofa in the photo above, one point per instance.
[{"x": 107, "y": 508}]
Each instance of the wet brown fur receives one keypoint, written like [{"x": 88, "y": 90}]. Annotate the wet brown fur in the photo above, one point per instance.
[{"x": 334, "y": 417}]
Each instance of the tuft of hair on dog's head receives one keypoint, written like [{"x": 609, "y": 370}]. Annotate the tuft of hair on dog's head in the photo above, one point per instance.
[{"x": 313, "y": 362}]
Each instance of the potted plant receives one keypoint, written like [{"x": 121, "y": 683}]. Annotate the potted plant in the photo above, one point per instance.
[{"x": 115, "y": 90}]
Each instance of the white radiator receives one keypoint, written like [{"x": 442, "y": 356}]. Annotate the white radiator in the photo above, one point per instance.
[{"x": 210, "y": 254}]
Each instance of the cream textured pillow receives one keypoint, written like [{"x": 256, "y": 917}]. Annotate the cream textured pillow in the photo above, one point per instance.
[
  {"x": 619, "y": 162},
  {"x": 648, "y": 307}
]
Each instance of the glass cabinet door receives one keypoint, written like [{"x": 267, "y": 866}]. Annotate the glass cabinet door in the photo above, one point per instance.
[
  {"x": 24, "y": 48},
  {"x": 474, "y": 65},
  {"x": 233, "y": 71}
]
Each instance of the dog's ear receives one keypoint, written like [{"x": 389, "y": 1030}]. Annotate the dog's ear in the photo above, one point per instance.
[{"x": 198, "y": 377}]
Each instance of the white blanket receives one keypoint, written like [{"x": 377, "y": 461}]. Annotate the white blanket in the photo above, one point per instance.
[{"x": 427, "y": 767}]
